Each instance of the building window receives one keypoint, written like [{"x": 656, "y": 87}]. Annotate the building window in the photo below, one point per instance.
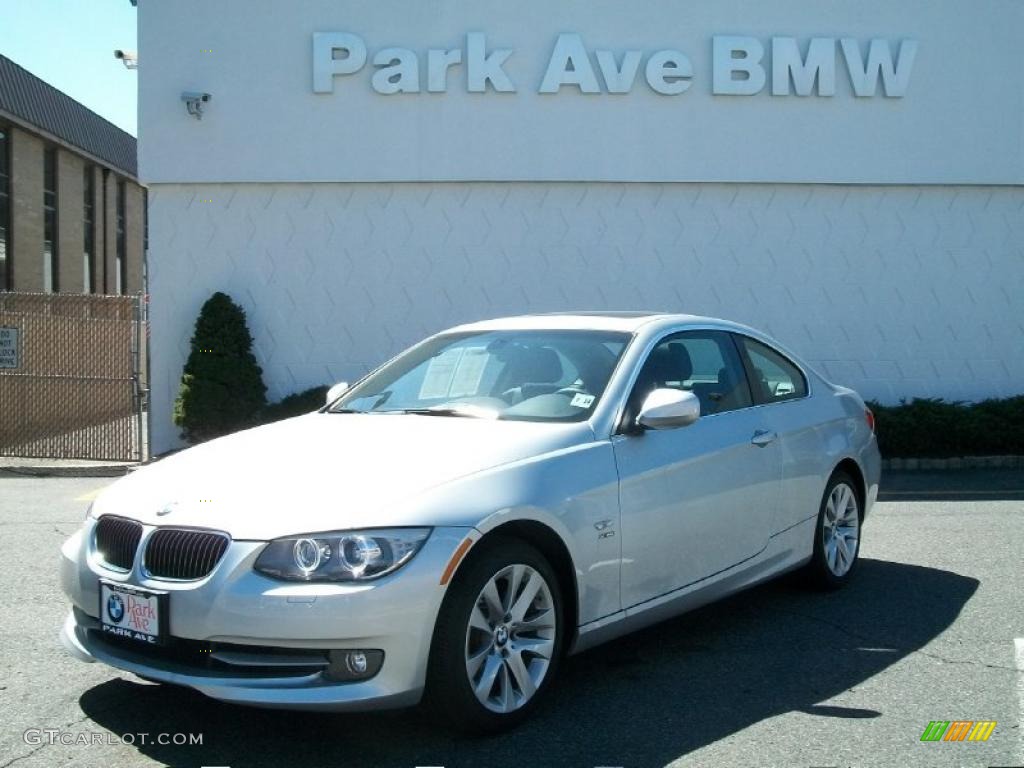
[
  {"x": 5, "y": 208},
  {"x": 122, "y": 261},
  {"x": 50, "y": 249},
  {"x": 89, "y": 230}
]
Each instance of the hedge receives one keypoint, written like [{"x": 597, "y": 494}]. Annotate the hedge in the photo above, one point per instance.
[
  {"x": 295, "y": 405},
  {"x": 935, "y": 428}
]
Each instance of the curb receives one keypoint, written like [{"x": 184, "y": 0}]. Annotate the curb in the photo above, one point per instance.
[
  {"x": 73, "y": 470},
  {"x": 957, "y": 463}
]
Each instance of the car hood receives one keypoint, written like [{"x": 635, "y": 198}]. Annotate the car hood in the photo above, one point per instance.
[{"x": 324, "y": 472}]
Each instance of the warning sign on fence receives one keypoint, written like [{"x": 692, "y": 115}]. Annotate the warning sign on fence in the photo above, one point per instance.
[{"x": 8, "y": 347}]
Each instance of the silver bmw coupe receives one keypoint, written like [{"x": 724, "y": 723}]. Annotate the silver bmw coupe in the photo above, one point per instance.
[{"x": 495, "y": 497}]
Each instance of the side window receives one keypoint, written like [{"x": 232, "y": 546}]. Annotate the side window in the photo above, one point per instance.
[
  {"x": 702, "y": 362},
  {"x": 775, "y": 377}
]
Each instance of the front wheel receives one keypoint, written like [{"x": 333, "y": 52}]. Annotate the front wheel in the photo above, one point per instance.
[
  {"x": 497, "y": 640},
  {"x": 837, "y": 534}
]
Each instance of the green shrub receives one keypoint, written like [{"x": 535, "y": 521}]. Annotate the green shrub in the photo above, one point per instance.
[
  {"x": 935, "y": 428},
  {"x": 222, "y": 387},
  {"x": 295, "y": 405}
]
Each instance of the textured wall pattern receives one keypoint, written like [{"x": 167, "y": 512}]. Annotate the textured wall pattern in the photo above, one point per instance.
[{"x": 895, "y": 291}]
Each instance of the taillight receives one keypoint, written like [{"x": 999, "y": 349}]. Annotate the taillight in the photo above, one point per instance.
[{"x": 869, "y": 417}]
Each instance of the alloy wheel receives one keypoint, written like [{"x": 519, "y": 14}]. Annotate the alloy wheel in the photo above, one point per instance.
[
  {"x": 841, "y": 529},
  {"x": 510, "y": 639}
]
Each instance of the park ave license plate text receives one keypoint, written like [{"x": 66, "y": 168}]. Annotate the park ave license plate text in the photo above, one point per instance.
[{"x": 130, "y": 612}]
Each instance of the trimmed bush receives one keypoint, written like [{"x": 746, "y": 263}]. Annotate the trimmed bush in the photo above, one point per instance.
[
  {"x": 935, "y": 428},
  {"x": 222, "y": 386},
  {"x": 295, "y": 405}
]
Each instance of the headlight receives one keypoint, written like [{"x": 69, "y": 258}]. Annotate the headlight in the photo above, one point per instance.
[{"x": 341, "y": 556}]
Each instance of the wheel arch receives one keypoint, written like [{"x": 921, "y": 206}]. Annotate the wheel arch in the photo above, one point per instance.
[
  {"x": 850, "y": 466},
  {"x": 554, "y": 549}
]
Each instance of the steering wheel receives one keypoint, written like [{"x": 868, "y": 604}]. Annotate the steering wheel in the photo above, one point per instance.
[
  {"x": 512, "y": 396},
  {"x": 524, "y": 392},
  {"x": 572, "y": 389}
]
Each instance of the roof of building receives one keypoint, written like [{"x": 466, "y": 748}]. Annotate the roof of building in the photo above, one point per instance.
[{"x": 37, "y": 103}]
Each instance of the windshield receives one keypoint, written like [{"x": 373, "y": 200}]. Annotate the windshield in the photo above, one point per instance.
[{"x": 514, "y": 375}]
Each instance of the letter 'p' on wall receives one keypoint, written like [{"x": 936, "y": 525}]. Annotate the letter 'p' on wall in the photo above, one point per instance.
[{"x": 335, "y": 53}]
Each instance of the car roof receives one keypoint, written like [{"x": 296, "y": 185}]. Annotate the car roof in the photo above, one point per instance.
[{"x": 626, "y": 321}]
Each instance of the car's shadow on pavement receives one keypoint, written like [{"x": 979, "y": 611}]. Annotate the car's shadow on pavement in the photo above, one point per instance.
[{"x": 644, "y": 700}]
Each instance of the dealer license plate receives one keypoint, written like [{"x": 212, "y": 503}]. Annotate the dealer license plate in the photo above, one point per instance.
[{"x": 133, "y": 613}]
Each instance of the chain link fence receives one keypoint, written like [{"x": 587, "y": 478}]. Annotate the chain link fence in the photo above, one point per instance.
[{"x": 71, "y": 382}]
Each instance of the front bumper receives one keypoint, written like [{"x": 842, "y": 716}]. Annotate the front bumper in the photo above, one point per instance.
[{"x": 239, "y": 626}]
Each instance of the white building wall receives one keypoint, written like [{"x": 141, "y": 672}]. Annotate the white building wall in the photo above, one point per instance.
[
  {"x": 898, "y": 291},
  {"x": 957, "y": 121}
]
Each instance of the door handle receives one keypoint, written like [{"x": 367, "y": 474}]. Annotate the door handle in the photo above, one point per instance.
[{"x": 763, "y": 437}]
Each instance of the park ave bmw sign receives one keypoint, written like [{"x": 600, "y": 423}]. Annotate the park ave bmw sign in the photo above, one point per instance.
[{"x": 741, "y": 66}]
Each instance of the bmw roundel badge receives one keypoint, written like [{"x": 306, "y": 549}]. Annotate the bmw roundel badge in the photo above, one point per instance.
[
  {"x": 115, "y": 608},
  {"x": 166, "y": 509}
]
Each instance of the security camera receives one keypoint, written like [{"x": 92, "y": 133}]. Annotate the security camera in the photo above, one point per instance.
[
  {"x": 194, "y": 103},
  {"x": 130, "y": 59}
]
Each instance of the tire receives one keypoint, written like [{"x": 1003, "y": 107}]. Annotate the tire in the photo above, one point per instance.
[
  {"x": 837, "y": 534},
  {"x": 473, "y": 644}
]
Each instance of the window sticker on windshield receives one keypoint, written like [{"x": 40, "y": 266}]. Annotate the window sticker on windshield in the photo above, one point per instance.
[
  {"x": 469, "y": 372},
  {"x": 582, "y": 401},
  {"x": 454, "y": 373},
  {"x": 439, "y": 374}
]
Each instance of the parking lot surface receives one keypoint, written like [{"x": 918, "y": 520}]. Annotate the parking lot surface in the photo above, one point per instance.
[{"x": 778, "y": 676}]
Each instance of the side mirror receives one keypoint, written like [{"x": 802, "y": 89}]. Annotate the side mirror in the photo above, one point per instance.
[
  {"x": 336, "y": 391},
  {"x": 668, "y": 409}
]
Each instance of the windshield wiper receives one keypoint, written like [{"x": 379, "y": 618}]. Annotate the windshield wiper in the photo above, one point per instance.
[{"x": 466, "y": 411}]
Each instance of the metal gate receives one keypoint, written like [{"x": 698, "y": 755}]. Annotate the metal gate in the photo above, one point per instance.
[{"x": 70, "y": 376}]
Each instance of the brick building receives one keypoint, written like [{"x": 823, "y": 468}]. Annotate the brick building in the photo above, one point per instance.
[{"x": 72, "y": 212}]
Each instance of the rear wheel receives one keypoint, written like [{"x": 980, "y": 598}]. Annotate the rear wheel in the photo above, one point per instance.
[
  {"x": 497, "y": 639},
  {"x": 837, "y": 534}
]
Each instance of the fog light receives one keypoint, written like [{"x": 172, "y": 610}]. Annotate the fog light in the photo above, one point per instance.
[
  {"x": 356, "y": 663},
  {"x": 353, "y": 665}
]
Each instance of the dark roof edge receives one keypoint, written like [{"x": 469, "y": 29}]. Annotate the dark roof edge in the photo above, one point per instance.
[{"x": 41, "y": 107}]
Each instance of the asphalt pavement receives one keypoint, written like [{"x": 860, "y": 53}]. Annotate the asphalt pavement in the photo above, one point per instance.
[{"x": 778, "y": 676}]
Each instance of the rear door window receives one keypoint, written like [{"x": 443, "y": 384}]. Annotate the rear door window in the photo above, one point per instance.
[{"x": 775, "y": 377}]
